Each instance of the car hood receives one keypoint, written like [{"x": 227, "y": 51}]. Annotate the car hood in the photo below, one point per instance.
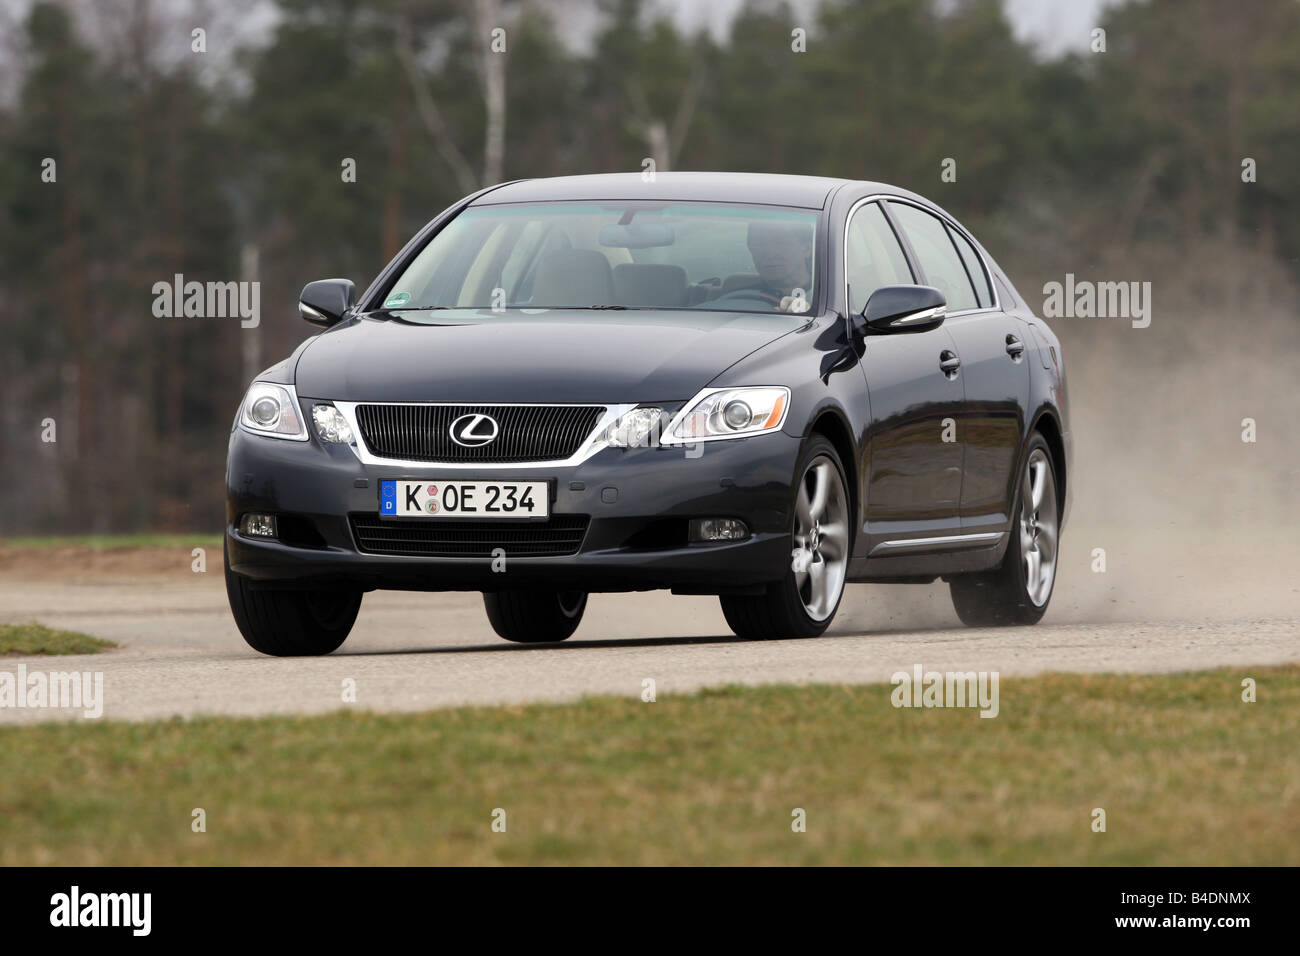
[{"x": 544, "y": 356}]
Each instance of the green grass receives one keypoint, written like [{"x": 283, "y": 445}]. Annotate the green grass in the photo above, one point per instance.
[
  {"x": 39, "y": 639},
  {"x": 114, "y": 541},
  {"x": 1187, "y": 773}
]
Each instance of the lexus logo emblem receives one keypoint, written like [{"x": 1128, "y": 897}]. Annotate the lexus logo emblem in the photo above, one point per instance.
[{"x": 474, "y": 430}]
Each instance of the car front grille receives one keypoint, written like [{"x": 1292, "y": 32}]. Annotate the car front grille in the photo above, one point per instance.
[
  {"x": 525, "y": 432},
  {"x": 558, "y": 535}
]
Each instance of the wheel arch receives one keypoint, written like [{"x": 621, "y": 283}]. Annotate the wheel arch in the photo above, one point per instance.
[
  {"x": 1046, "y": 424},
  {"x": 831, "y": 425}
]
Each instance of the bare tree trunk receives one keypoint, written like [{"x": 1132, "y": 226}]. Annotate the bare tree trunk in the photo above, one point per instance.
[
  {"x": 74, "y": 300},
  {"x": 392, "y": 236},
  {"x": 656, "y": 137},
  {"x": 664, "y": 144},
  {"x": 429, "y": 113},
  {"x": 250, "y": 343},
  {"x": 493, "y": 74},
  {"x": 686, "y": 110},
  {"x": 485, "y": 16}
]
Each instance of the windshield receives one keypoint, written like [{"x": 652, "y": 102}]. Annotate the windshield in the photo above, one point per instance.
[{"x": 616, "y": 255}]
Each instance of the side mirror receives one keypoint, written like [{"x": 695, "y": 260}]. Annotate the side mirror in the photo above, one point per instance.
[
  {"x": 323, "y": 302},
  {"x": 904, "y": 308}
]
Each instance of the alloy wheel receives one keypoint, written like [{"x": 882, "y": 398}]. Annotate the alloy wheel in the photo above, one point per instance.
[
  {"x": 572, "y": 603},
  {"x": 821, "y": 538},
  {"x": 1038, "y": 527}
]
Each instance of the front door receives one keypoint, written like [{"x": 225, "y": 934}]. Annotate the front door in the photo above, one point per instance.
[{"x": 912, "y": 459}]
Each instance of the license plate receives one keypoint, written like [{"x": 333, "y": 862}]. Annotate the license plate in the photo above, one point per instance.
[{"x": 438, "y": 498}]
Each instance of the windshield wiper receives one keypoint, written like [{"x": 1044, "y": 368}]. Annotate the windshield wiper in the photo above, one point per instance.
[{"x": 479, "y": 308}]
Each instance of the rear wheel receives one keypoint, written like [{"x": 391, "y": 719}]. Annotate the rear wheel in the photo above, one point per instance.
[
  {"x": 803, "y": 603},
  {"x": 291, "y": 623},
  {"x": 535, "y": 617},
  {"x": 1019, "y": 589}
]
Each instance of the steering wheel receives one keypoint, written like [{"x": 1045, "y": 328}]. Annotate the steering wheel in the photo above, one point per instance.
[{"x": 748, "y": 292}]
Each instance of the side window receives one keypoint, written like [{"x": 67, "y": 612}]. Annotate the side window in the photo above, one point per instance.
[
  {"x": 938, "y": 256},
  {"x": 873, "y": 257},
  {"x": 974, "y": 268}
]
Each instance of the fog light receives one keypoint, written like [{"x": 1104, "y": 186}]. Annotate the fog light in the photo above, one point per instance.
[
  {"x": 257, "y": 526},
  {"x": 718, "y": 529}
]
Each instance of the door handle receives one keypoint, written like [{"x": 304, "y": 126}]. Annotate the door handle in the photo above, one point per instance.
[
  {"x": 1015, "y": 347},
  {"x": 949, "y": 363}
]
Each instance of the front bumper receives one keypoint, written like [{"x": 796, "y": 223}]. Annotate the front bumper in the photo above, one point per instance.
[{"x": 638, "y": 502}]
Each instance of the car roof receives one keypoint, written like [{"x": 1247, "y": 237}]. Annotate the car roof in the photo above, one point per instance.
[{"x": 768, "y": 188}]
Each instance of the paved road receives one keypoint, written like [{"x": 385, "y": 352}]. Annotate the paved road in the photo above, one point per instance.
[{"x": 1181, "y": 603}]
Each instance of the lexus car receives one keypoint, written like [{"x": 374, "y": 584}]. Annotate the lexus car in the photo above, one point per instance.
[{"x": 759, "y": 387}]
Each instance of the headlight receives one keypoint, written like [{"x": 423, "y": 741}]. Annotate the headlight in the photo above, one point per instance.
[
  {"x": 633, "y": 429},
  {"x": 729, "y": 413},
  {"x": 331, "y": 426},
  {"x": 272, "y": 410}
]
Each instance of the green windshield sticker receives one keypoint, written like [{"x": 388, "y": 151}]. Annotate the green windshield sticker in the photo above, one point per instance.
[{"x": 397, "y": 300}]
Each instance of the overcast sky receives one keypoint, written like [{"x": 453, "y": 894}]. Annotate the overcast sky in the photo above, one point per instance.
[{"x": 1053, "y": 26}]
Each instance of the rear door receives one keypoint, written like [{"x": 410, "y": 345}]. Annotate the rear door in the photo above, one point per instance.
[
  {"x": 912, "y": 472},
  {"x": 991, "y": 346}
]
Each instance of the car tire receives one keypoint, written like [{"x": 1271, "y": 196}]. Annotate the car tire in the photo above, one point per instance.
[
  {"x": 784, "y": 609},
  {"x": 1006, "y": 596},
  {"x": 284, "y": 622},
  {"x": 535, "y": 617}
]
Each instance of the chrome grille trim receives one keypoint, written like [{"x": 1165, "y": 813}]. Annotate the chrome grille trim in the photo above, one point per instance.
[
  {"x": 525, "y": 432},
  {"x": 587, "y": 444}
]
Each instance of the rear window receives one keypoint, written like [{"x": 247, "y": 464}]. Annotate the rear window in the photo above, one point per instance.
[{"x": 974, "y": 268}]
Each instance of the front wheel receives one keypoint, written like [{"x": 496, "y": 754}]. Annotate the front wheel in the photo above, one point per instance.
[
  {"x": 292, "y": 623},
  {"x": 535, "y": 617},
  {"x": 803, "y": 603},
  {"x": 1018, "y": 590}
]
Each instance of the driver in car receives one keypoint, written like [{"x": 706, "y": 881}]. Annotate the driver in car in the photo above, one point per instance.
[{"x": 783, "y": 258}]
